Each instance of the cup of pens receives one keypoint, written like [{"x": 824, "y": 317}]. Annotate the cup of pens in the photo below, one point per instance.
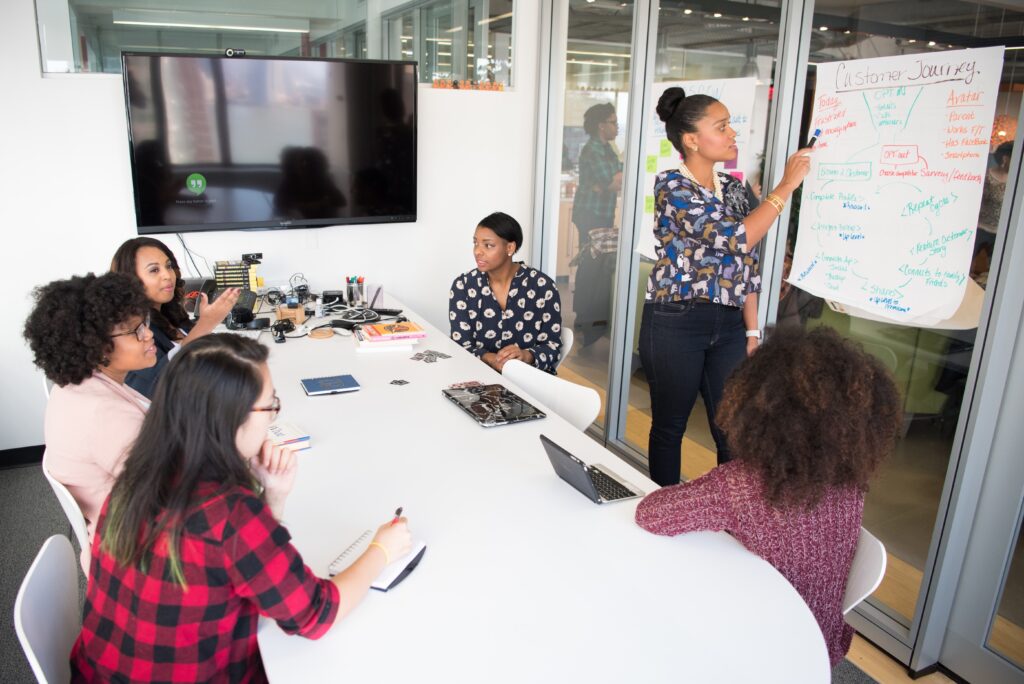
[{"x": 356, "y": 291}]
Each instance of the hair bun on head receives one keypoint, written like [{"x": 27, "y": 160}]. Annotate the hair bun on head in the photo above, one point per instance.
[{"x": 669, "y": 102}]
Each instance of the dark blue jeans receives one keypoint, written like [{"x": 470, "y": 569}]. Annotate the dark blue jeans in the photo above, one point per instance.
[{"x": 685, "y": 348}]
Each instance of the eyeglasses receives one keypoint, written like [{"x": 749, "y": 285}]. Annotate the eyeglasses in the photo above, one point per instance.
[
  {"x": 139, "y": 332},
  {"x": 274, "y": 408}
]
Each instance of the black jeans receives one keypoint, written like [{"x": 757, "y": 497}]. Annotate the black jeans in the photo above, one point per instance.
[{"x": 685, "y": 348}]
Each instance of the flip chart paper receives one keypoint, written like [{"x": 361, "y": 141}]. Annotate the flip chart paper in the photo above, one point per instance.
[{"x": 890, "y": 206}]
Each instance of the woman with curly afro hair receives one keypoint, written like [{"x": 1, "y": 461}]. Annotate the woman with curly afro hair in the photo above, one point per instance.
[
  {"x": 87, "y": 333},
  {"x": 809, "y": 418},
  {"x": 153, "y": 266}
]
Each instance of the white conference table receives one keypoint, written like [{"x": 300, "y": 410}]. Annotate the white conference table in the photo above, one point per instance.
[{"x": 524, "y": 579}]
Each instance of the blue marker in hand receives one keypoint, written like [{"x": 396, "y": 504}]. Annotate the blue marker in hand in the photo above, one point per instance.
[{"x": 814, "y": 138}]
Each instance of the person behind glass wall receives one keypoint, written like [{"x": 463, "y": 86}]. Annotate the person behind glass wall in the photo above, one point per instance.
[
  {"x": 810, "y": 417},
  {"x": 504, "y": 309},
  {"x": 154, "y": 266},
  {"x": 700, "y": 315},
  {"x": 192, "y": 534},
  {"x": 593, "y": 213},
  {"x": 87, "y": 334},
  {"x": 991, "y": 205}
]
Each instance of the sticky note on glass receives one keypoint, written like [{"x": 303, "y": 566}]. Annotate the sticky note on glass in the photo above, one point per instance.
[
  {"x": 652, "y": 164},
  {"x": 649, "y": 204},
  {"x": 666, "y": 148}
]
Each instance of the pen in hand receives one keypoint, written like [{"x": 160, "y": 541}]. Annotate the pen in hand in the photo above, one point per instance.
[{"x": 398, "y": 514}]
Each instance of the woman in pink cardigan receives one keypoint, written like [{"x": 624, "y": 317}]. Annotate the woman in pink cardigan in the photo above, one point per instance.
[
  {"x": 87, "y": 333},
  {"x": 809, "y": 418}
]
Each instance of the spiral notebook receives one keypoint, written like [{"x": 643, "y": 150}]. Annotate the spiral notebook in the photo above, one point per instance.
[{"x": 392, "y": 575}]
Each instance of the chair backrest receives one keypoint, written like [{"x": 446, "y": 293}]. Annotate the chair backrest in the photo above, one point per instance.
[
  {"x": 73, "y": 513},
  {"x": 866, "y": 571},
  {"x": 46, "y": 613},
  {"x": 577, "y": 404},
  {"x": 47, "y": 386},
  {"x": 567, "y": 339}
]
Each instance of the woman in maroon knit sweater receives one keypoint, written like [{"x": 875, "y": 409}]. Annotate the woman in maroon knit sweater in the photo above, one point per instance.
[{"x": 809, "y": 418}]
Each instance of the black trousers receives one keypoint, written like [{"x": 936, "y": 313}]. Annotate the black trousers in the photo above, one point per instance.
[{"x": 686, "y": 348}]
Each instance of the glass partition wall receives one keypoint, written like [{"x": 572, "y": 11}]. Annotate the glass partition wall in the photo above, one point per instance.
[
  {"x": 451, "y": 39},
  {"x": 594, "y": 106},
  {"x": 622, "y": 56}
]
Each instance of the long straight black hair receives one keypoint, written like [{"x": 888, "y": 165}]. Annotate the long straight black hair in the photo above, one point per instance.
[{"x": 187, "y": 438}]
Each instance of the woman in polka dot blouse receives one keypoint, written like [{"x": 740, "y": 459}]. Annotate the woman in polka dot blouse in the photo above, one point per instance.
[{"x": 504, "y": 309}]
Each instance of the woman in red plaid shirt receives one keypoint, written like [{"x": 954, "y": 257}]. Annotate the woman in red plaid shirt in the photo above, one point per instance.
[{"x": 189, "y": 550}]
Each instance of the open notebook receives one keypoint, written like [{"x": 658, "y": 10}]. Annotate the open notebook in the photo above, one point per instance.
[{"x": 393, "y": 574}]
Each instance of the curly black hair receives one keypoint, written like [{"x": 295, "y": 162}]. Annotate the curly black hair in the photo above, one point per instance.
[
  {"x": 170, "y": 317},
  {"x": 810, "y": 410},
  {"x": 69, "y": 328}
]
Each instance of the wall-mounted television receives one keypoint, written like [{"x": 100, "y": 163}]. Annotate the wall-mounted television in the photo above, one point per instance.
[{"x": 222, "y": 143}]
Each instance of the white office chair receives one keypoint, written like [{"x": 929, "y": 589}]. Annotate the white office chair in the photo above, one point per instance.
[
  {"x": 567, "y": 339},
  {"x": 47, "y": 386},
  {"x": 577, "y": 404},
  {"x": 866, "y": 571},
  {"x": 46, "y": 615},
  {"x": 74, "y": 515}
]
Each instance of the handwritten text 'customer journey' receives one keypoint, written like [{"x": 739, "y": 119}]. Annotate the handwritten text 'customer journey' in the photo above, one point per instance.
[{"x": 890, "y": 207}]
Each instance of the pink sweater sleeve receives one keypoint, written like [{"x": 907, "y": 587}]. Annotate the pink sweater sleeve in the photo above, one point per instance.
[{"x": 701, "y": 504}]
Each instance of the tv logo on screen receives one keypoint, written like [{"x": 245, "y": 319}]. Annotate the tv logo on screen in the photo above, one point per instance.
[{"x": 196, "y": 183}]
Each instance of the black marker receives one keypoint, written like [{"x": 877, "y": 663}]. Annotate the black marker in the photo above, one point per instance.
[{"x": 814, "y": 138}]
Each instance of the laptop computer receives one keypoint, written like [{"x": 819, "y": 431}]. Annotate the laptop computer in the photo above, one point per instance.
[
  {"x": 492, "y": 405},
  {"x": 596, "y": 482}
]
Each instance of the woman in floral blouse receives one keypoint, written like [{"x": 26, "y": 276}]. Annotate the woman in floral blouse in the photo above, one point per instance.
[
  {"x": 504, "y": 309},
  {"x": 700, "y": 315}
]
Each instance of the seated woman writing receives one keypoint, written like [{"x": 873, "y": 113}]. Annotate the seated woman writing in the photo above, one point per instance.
[
  {"x": 809, "y": 417},
  {"x": 87, "y": 333},
  {"x": 504, "y": 309},
  {"x": 154, "y": 267},
  {"x": 189, "y": 549}
]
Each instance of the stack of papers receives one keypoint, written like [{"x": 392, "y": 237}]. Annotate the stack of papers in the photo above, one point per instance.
[{"x": 282, "y": 433}]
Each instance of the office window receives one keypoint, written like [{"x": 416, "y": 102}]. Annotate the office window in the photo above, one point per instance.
[
  {"x": 454, "y": 39},
  {"x": 85, "y": 36}
]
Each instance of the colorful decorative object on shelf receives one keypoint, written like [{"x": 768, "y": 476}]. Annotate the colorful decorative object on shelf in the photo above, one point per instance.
[{"x": 455, "y": 84}]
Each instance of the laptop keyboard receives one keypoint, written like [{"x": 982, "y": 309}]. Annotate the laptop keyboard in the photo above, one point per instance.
[{"x": 608, "y": 488}]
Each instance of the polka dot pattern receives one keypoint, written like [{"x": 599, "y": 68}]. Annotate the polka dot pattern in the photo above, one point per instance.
[{"x": 532, "y": 318}]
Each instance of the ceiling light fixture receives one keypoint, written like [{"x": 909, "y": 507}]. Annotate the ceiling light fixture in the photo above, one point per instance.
[{"x": 210, "y": 20}]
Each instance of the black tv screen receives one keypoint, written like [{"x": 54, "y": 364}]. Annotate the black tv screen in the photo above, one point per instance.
[{"x": 223, "y": 143}]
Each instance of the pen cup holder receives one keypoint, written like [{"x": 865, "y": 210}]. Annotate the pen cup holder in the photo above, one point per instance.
[{"x": 355, "y": 293}]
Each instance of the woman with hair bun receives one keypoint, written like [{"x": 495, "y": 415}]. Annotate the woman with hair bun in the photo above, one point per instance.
[
  {"x": 700, "y": 315},
  {"x": 504, "y": 310}
]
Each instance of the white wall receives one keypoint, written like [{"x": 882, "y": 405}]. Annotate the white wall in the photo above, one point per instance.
[{"x": 66, "y": 191}]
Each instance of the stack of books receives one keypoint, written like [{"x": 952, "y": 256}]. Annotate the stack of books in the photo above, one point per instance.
[{"x": 388, "y": 336}]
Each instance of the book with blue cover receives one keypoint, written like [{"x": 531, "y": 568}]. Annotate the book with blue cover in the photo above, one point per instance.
[{"x": 332, "y": 384}]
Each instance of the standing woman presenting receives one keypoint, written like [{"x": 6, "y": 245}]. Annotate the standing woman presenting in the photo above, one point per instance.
[{"x": 700, "y": 315}]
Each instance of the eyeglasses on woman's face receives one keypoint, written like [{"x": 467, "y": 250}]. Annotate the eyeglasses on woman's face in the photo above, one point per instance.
[
  {"x": 274, "y": 409},
  {"x": 139, "y": 332}
]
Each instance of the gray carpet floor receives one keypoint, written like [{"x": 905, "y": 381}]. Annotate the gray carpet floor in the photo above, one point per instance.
[{"x": 30, "y": 514}]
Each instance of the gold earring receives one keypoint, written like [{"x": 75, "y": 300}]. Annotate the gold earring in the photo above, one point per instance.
[{"x": 694, "y": 148}]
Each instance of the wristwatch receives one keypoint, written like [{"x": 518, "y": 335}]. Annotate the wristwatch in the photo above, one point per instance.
[{"x": 754, "y": 333}]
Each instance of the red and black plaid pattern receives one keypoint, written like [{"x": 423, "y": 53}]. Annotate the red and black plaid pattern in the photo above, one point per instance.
[{"x": 238, "y": 563}]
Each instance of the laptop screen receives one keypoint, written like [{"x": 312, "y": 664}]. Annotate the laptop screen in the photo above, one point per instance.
[{"x": 570, "y": 468}]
